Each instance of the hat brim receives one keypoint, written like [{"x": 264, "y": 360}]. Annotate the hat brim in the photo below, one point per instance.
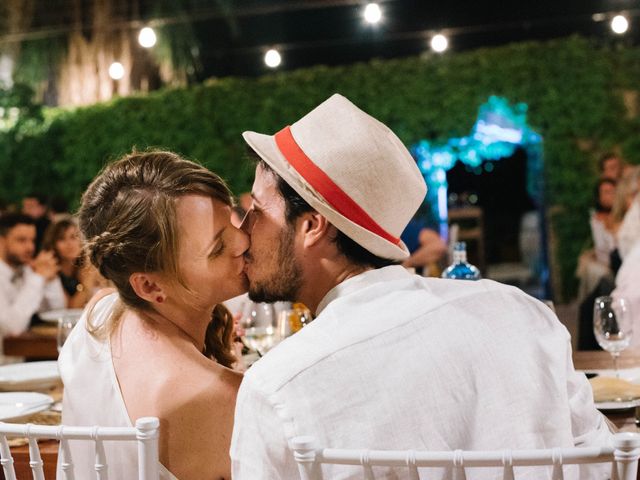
[{"x": 265, "y": 146}]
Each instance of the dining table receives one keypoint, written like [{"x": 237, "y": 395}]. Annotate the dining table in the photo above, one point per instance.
[{"x": 37, "y": 343}]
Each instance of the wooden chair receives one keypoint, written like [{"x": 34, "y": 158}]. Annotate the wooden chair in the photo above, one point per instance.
[
  {"x": 145, "y": 433},
  {"x": 623, "y": 457}
]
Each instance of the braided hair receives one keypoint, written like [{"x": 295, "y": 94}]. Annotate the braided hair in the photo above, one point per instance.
[{"x": 128, "y": 220}]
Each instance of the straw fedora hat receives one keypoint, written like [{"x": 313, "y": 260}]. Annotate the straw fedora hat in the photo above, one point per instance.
[{"x": 351, "y": 169}]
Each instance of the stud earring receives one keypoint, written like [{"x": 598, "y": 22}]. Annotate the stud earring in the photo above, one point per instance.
[{"x": 160, "y": 299}]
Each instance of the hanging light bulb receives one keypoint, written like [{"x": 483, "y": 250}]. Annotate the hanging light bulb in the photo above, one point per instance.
[
  {"x": 116, "y": 70},
  {"x": 619, "y": 24},
  {"x": 147, "y": 37},
  {"x": 439, "y": 43},
  {"x": 372, "y": 13},
  {"x": 272, "y": 58}
]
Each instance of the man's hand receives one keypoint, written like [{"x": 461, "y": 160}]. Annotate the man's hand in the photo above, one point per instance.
[{"x": 45, "y": 264}]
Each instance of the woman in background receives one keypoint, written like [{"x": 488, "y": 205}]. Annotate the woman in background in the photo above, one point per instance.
[
  {"x": 158, "y": 227},
  {"x": 78, "y": 281}
]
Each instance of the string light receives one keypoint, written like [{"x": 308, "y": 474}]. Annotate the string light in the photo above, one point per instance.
[
  {"x": 272, "y": 58},
  {"x": 116, "y": 70},
  {"x": 147, "y": 37},
  {"x": 439, "y": 43},
  {"x": 372, "y": 13},
  {"x": 619, "y": 24}
]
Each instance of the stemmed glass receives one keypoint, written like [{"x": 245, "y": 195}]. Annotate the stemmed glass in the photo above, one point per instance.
[
  {"x": 66, "y": 322},
  {"x": 260, "y": 326},
  {"x": 612, "y": 326}
]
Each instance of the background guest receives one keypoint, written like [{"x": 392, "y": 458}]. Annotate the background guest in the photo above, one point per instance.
[
  {"x": 628, "y": 212},
  {"x": 58, "y": 209},
  {"x": 611, "y": 166},
  {"x": 27, "y": 285},
  {"x": 79, "y": 280},
  {"x": 35, "y": 205},
  {"x": 627, "y": 282},
  {"x": 429, "y": 254}
]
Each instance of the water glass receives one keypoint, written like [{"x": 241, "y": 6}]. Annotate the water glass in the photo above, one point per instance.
[
  {"x": 612, "y": 326},
  {"x": 65, "y": 325}
]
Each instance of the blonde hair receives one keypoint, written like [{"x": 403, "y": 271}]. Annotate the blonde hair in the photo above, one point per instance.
[{"x": 128, "y": 220}]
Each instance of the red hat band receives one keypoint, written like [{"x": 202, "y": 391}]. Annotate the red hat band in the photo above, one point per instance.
[{"x": 321, "y": 182}]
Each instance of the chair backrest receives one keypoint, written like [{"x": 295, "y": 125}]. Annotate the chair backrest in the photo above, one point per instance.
[
  {"x": 623, "y": 457},
  {"x": 145, "y": 433}
]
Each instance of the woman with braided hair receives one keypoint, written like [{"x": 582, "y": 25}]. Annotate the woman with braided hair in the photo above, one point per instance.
[{"x": 158, "y": 227}]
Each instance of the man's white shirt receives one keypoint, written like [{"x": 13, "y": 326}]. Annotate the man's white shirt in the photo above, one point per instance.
[
  {"x": 22, "y": 294},
  {"x": 397, "y": 361}
]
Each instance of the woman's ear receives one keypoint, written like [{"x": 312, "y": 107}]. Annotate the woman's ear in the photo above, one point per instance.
[
  {"x": 314, "y": 228},
  {"x": 148, "y": 287}
]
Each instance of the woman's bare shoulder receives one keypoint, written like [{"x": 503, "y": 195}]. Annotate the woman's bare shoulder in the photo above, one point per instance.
[
  {"x": 199, "y": 380},
  {"x": 196, "y": 412}
]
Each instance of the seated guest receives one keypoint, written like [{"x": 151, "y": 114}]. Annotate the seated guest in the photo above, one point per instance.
[
  {"x": 628, "y": 212},
  {"x": 611, "y": 166},
  {"x": 627, "y": 287},
  {"x": 35, "y": 206},
  {"x": 392, "y": 360},
  {"x": 426, "y": 258},
  {"x": 594, "y": 265},
  {"x": 79, "y": 281},
  {"x": 27, "y": 284},
  {"x": 158, "y": 227},
  {"x": 58, "y": 209},
  {"x": 602, "y": 230}
]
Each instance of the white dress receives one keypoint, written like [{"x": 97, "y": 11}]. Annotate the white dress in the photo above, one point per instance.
[{"x": 92, "y": 397}]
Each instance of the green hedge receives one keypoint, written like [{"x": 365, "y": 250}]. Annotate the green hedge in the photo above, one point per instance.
[{"x": 574, "y": 90}]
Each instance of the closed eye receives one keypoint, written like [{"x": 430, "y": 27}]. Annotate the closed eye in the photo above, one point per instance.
[{"x": 217, "y": 250}]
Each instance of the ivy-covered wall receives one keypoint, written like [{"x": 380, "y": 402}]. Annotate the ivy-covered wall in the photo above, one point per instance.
[{"x": 581, "y": 98}]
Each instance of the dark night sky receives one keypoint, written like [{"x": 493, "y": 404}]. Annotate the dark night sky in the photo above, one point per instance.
[{"x": 333, "y": 32}]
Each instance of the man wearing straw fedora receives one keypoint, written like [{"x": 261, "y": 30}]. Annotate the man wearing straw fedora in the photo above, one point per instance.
[{"x": 392, "y": 360}]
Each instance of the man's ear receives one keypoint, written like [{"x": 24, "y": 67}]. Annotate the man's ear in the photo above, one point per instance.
[
  {"x": 314, "y": 228},
  {"x": 147, "y": 287}
]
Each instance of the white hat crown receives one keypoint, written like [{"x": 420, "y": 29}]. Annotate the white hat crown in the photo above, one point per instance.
[{"x": 351, "y": 168}]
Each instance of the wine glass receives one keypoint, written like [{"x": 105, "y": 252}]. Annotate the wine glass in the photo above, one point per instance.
[
  {"x": 612, "y": 326},
  {"x": 260, "y": 326}
]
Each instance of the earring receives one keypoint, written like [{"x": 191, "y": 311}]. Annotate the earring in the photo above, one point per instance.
[{"x": 159, "y": 299}]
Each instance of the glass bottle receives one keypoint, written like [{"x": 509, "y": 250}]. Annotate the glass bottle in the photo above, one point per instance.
[{"x": 460, "y": 269}]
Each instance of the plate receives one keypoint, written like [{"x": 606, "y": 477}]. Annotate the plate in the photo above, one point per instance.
[
  {"x": 17, "y": 405},
  {"x": 54, "y": 315},
  {"x": 629, "y": 374},
  {"x": 612, "y": 406},
  {"x": 29, "y": 376}
]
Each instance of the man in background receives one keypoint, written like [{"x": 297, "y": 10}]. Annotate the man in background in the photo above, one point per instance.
[
  {"x": 35, "y": 205},
  {"x": 27, "y": 285}
]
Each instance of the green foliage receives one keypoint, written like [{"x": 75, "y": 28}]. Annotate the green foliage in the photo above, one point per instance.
[{"x": 574, "y": 90}]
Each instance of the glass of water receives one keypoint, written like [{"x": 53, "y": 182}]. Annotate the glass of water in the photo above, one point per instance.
[
  {"x": 65, "y": 325},
  {"x": 612, "y": 326}
]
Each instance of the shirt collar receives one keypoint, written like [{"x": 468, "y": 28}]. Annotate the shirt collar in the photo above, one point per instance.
[{"x": 363, "y": 280}]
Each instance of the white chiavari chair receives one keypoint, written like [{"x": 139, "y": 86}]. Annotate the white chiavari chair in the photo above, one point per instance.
[
  {"x": 145, "y": 433},
  {"x": 623, "y": 457}
]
